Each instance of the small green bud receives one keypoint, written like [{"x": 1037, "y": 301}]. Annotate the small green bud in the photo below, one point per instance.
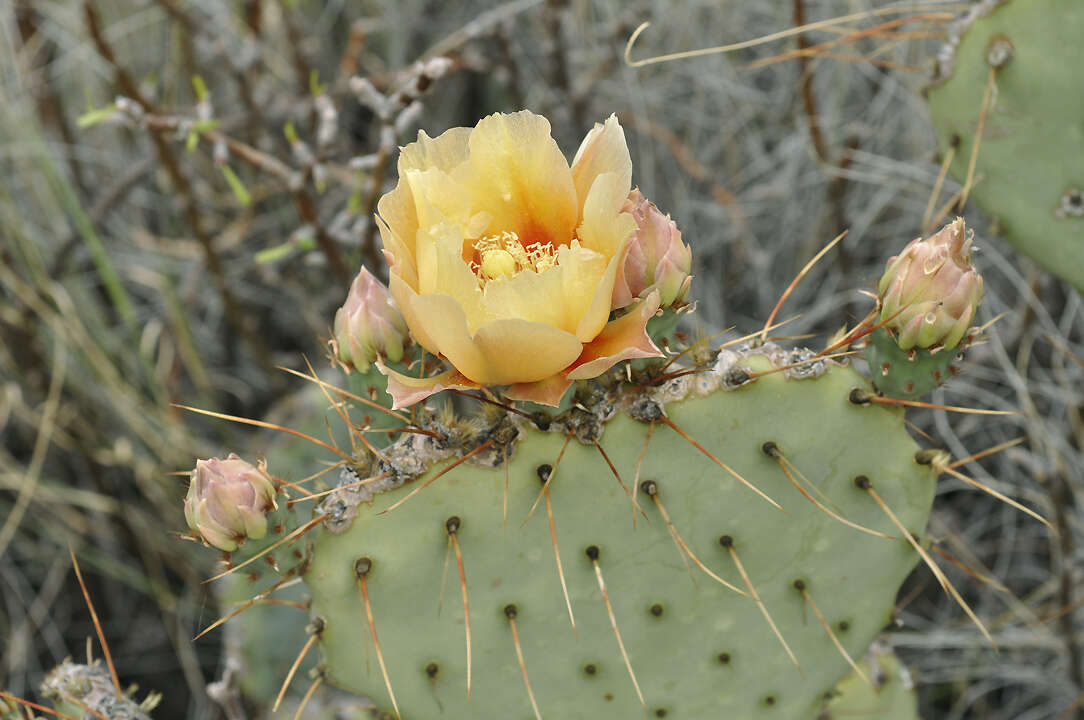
[
  {"x": 656, "y": 259},
  {"x": 228, "y": 501},
  {"x": 930, "y": 292},
  {"x": 368, "y": 325}
]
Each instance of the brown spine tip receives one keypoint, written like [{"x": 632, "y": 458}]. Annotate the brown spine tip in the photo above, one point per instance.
[
  {"x": 452, "y": 524},
  {"x": 649, "y": 487},
  {"x": 771, "y": 449},
  {"x": 862, "y": 482},
  {"x": 726, "y": 541},
  {"x": 362, "y": 566},
  {"x": 544, "y": 471},
  {"x": 592, "y": 552},
  {"x": 510, "y": 611}
]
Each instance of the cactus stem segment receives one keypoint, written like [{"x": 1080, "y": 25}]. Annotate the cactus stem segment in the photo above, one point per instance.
[
  {"x": 863, "y": 483},
  {"x": 720, "y": 463},
  {"x": 317, "y": 628},
  {"x": 510, "y": 612},
  {"x": 443, "y": 472},
  {"x": 651, "y": 489},
  {"x": 772, "y": 450},
  {"x": 362, "y": 567},
  {"x": 295, "y": 534},
  {"x": 828, "y": 629},
  {"x": 728, "y": 542},
  {"x": 592, "y": 555}
]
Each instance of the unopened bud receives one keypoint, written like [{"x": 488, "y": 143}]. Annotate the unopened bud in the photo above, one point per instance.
[
  {"x": 656, "y": 260},
  {"x": 228, "y": 501},
  {"x": 368, "y": 325},
  {"x": 930, "y": 292}
]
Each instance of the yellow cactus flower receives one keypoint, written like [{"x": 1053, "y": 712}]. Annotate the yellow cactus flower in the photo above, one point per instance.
[{"x": 503, "y": 257}]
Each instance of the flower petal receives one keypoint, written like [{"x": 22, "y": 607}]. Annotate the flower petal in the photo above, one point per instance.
[
  {"x": 406, "y": 390},
  {"x": 444, "y": 152},
  {"x": 560, "y": 296},
  {"x": 501, "y": 352},
  {"x": 604, "y": 150},
  {"x": 604, "y": 227},
  {"x": 625, "y": 338},
  {"x": 544, "y": 392},
  {"x": 519, "y": 175}
]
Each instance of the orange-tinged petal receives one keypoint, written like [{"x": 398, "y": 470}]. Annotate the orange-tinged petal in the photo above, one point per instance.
[
  {"x": 604, "y": 150},
  {"x": 519, "y": 176},
  {"x": 544, "y": 392},
  {"x": 406, "y": 390},
  {"x": 625, "y": 338}
]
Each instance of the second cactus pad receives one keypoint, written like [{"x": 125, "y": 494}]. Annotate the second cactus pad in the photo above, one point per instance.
[
  {"x": 696, "y": 648},
  {"x": 1028, "y": 174}
]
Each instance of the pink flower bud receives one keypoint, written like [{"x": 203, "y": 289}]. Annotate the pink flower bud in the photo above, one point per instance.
[
  {"x": 931, "y": 291},
  {"x": 656, "y": 260},
  {"x": 228, "y": 500},
  {"x": 368, "y": 325}
]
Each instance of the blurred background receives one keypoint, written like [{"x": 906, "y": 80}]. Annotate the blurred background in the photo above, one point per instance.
[{"x": 187, "y": 188}]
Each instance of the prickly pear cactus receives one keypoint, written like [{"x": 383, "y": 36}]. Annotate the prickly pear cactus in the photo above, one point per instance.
[
  {"x": 696, "y": 648},
  {"x": 1028, "y": 173},
  {"x": 886, "y": 691},
  {"x": 580, "y": 525}
]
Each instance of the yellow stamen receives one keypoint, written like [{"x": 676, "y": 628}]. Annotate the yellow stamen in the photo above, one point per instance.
[{"x": 503, "y": 255}]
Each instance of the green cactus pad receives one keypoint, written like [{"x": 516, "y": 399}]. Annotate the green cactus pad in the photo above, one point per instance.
[
  {"x": 698, "y": 649},
  {"x": 906, "y": 374},
  {"x": 891, "y": 696},
  {"x": 1029, "y": 174}
]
